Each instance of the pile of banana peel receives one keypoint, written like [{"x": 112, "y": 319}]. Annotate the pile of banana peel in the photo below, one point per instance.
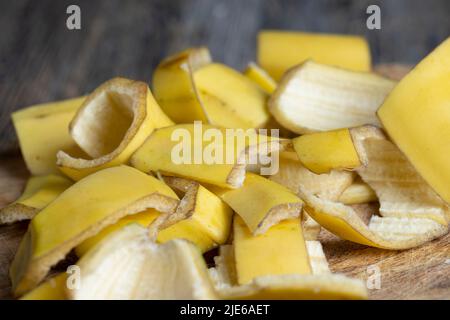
[{"x": 104, "y": 185}]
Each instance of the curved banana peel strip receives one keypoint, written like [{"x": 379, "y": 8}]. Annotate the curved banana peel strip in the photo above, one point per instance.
[
  {"x": 321, "y": 152},
  {"x": 52, "y": 289},
  {"x": 189, "y": 87},
  {"x": 330, "y": 185},
  {"x": 358, "y": 192},
  {"x": 221, "y": 160},
  {"x": 230, "y": 99},
  {"x": 260, "y": 77},
  {"x": 278, "y": 51},
  {"x": 80, "y": 212},
  {"x": 111, "y": 124},
  {"x": 416, "y": 116},
  {"x": 39, "y": 192},
  {"x": 174, "y": 86},
  {"x": 128, "y": 265},
  {"x": 314, "y": 97},
  {"x": 261, "y": 203},
  {"x": 411, "y": 213},
  {"x": 200, "y": 212},
  {"x": 42, "y": 131},
  {"x": 279, "y": 276}
]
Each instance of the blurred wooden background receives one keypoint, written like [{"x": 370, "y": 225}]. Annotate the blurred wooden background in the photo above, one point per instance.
[{"x": 41, "y": 60}]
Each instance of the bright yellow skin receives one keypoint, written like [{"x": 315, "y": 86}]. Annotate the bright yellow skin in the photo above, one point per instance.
[
  {"x": 279, "y": 251},
  {"x": 280, "y": 50},
  {"x": 260, "y": 77},
  {"x": 52, "y": 289},
  {"x": 41, "y": 190},
  {"x": 43, "y": 130},
  {"x": 154, "y": 118},
  {"x": 230, "y": 99},
  {"x": 208, "y": 226},
  {"x": 254, "y": 200},
  {"x": 416, "y": 116},
  {"x": 323, "y": 151},
  {"x": 80, "y": 212},
  {"x": 174, "y": 88}
]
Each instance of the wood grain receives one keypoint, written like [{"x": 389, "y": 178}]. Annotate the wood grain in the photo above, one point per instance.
[{"x": 41, "y": 60}]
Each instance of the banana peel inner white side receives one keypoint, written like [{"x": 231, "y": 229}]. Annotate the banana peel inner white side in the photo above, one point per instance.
[
  {"x": 39, "y": 192},
  {"x": 129, "y": 265},
  {"x": 411, "y": 213},
  {"x": 110, "y": 125},
  {"x": 80, "y": 212}
]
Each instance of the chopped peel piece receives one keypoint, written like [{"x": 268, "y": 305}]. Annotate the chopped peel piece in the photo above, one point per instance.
[
  {"x": 43, "y": 130},
  {"x": 321, "y": 152},
  {"x": 128, "y": 265},
  {"x": 409, "y": 219},
  {"x": 416, "y": 115},
  {"x": 278, "y": 51},
  {"x": 52, "y": 289},
  {"x": 358, "y": 192},
  {"x": 314, "y": 97},
  {"x": 80, "y": 212},
  {"x": 39, "y": 192},
  {"x": 174, "y": 86},
  {"x": 261, "y": 203},
  {"x": 314, "y": 280},
  {"x": 111, "y": 124},
  {"x": 158, "y": 153}
]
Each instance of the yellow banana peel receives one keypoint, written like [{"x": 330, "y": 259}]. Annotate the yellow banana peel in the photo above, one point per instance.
[
  {"x": 43, "y": 130},
  {"x": 189, "y": 87},
  {"x": 278, "y": 51},
  {"x": 411, "y": 213},
  {"x": 174, "y": 87},
  {"x": 416, "y": 116},
  {"x": 80, "y": 212},
  {"x": 321, "y": 152},
  {"x": 358, "y": 192},
  {"x": 278, "y": 265},
  {"x": 261, "y": 203},
  {"x": 128, "y": 265},
  {"x": 39, "y": 192},
  {"x": 111, "y": 124},
  {"x": 260, "y": 77},
  {"x": 315, "y": 97},
  {"x": 52, "y": 289},
  {"x": 221, "y": 160}
]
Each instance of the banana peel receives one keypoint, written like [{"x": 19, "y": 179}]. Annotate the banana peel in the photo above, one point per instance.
[
  {"x": 321, "y": 152},
  {"x": 111, "y": 124},
  {"x": 129, "y": 265},
  {"x": 174, "y": 87},
  {"x": 201, "y": 218},
  {"x": 42, "y": 131},
  {"x": 315, "y": 97},
  {"x": 39, "y": 192},
  {"x": 80, "y": 212},
  {"x": 358, "y": 192},
  {"x": 416, "y": 116},
  {"x": 410, "y": 212},
  {"x": 280, "y": 265},
  {"x": 221, "y": 160},
  {"x": 260, "y": 202},
  {"x": 190, "y": 87},
  {"x": 52, "y": 289},
  {"x": 279, "y": 51},
  {"x": 260, "y": 77}
]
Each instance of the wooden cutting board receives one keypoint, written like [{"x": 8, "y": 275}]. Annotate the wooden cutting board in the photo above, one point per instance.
[{"x": 419, "y": 273}]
